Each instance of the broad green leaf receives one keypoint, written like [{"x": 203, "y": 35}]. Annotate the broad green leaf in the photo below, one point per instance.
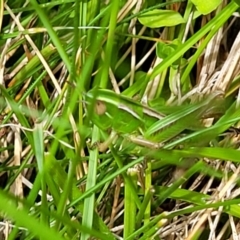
[
  {"x": 163, "y": 50},
  {"x": 206, "y": 6},
  {"x": 160, "y": 18}
]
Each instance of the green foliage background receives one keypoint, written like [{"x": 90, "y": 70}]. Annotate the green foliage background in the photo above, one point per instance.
[{"x": 119, "y": 119}]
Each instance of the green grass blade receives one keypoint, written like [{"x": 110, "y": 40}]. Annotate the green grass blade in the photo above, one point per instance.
[
  {"x": 39, "y": 153},
  {"x": 220, "y": 18},
  {"x": 130, "y": 207},
  {"x": 22, "y": 218},
  {"x": 88, "y": 211},
  {"x": 52, "y": 33}
]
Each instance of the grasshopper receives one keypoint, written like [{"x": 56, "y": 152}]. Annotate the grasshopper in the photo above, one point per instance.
[{"x": 140, "y": 124}]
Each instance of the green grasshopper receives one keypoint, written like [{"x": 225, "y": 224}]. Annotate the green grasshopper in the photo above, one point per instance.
[{"x": 141, "y": 124}]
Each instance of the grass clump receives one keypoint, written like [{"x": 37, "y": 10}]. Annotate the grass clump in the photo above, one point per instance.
[{"x": 119, "y": 119}]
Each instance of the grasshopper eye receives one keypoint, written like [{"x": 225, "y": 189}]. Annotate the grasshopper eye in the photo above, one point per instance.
[{"x": 100, "y": 107}]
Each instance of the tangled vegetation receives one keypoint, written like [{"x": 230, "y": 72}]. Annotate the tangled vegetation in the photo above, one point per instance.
[{"x": 119, "y": 119}]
